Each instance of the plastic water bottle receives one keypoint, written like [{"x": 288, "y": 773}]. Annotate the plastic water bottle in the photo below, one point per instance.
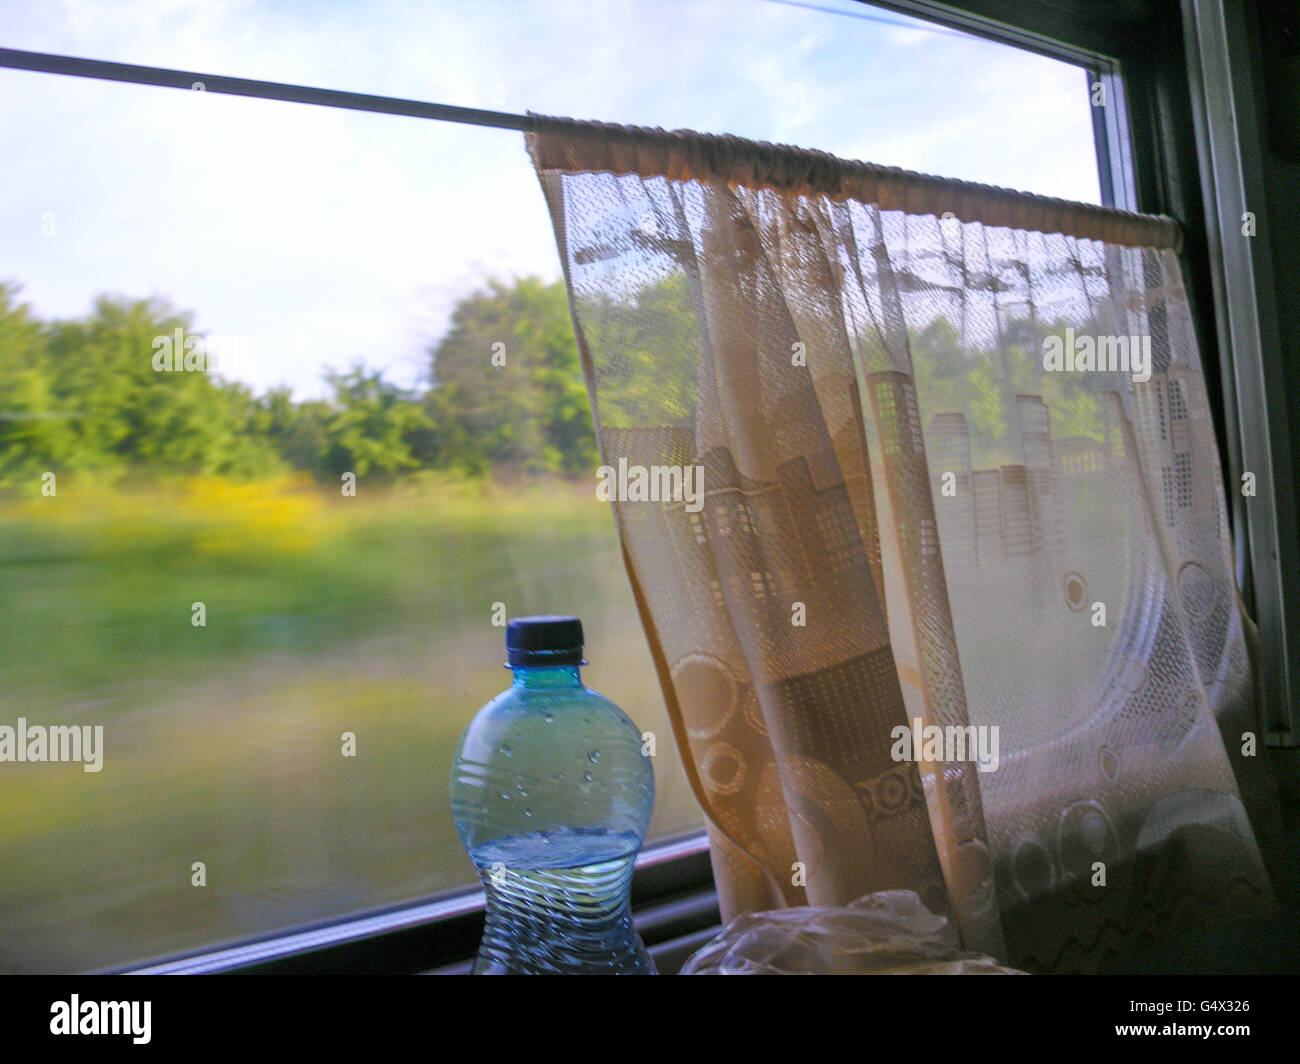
[{"x": 552, "y": 796}]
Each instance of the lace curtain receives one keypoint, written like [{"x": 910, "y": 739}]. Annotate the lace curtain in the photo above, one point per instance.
[{"x": 924, "y": 510}]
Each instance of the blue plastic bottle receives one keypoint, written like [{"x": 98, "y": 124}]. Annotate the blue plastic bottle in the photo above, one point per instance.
[{"x": 552, "y": 798}]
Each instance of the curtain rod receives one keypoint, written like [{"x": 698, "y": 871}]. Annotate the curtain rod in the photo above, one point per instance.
[
  {"x": 890, "y": 187},
  {"x": 189, "y": 80}
]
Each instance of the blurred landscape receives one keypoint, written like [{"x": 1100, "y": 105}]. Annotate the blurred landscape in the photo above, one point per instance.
[{"x": 326, "y": 613}]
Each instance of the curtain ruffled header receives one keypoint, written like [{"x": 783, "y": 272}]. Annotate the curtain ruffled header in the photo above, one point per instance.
[{"x": 572, "y": 146}]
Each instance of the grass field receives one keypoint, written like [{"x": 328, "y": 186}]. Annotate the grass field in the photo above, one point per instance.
[{"x": 222, "y": 743}]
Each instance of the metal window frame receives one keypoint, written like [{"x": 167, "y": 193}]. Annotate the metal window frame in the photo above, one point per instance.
[{"x": 1229, "y": 145}]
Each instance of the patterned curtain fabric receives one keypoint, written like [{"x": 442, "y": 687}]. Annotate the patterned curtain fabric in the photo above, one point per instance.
[{"x": 921, "y": 504}]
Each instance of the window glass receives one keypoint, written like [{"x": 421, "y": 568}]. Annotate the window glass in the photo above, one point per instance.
[{"x": 264, "y": 489}]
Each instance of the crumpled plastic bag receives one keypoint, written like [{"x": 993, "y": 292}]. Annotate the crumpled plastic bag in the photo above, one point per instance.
[{"x": 889, "y": 933}]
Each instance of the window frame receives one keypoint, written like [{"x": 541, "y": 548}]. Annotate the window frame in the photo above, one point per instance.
[{"x": 1160, "y": 149}]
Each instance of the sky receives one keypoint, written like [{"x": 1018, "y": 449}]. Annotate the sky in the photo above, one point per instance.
[{"x": 303, "y": 238}]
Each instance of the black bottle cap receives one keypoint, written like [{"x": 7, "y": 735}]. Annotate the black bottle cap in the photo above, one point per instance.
[{"x": 545, "y": 640}]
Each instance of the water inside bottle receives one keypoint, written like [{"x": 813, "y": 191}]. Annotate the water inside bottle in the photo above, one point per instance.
[{"x": 557, "y": 904}]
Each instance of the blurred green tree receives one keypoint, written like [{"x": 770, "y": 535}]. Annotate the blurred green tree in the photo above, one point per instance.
[
  {"x": 508, "y": 386},
  {"x": 368, "y": 424}
]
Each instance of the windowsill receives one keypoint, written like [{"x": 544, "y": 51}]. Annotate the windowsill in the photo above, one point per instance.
[
  {"x": 671, "y": 931},
  {"x": 673, "y": 904}
]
